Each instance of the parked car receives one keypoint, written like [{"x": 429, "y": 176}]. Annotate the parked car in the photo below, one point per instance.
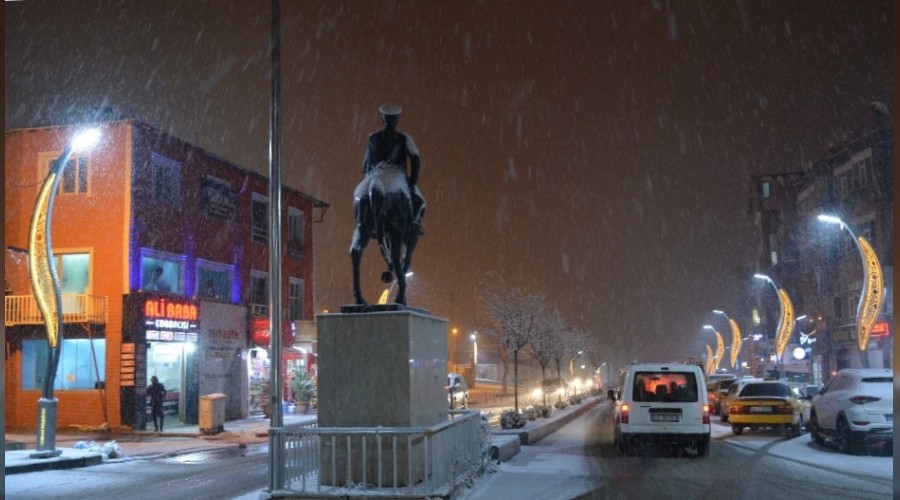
[
  {"x": 717, "y": 389},
  {"x": 855, "y": 408},
  {"x": 733, "y": 390},
  {"x": 457, "y": 391},
  {"x": 662, "y": 404},
  {"x": 766, "y": 404}
]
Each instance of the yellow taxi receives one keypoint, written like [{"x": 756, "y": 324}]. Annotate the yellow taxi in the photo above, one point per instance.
[{"x": 766, "y": 404}]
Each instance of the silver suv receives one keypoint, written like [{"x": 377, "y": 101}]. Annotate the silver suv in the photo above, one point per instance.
[{"x": 855, "y": 408}]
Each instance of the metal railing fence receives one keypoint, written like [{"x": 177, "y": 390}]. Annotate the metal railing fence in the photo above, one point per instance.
[{"x": 426, "y": 461}]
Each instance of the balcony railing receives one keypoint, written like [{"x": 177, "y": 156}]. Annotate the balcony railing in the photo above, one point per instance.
[{"x": 77, "y": 308}]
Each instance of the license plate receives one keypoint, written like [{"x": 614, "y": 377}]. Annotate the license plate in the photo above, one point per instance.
[
  {"x": 665, "y": 417},
  {"x": 760, "y": 409}
]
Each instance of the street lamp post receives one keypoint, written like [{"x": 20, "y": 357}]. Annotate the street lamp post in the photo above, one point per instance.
[
  {"x": 871, "y": 297},
  {"x": 785, "y": 320},
  {"x": 47, "y": 293},
  {"x": 735, "y": 338},
  {"x": 720, "y": 348}
]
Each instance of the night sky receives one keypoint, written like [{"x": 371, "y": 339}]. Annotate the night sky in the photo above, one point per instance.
[{"x": 599, "y": 151}]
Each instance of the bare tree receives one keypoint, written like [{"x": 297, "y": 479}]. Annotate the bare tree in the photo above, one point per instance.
[
  {"x": 515, "y": 314},
  {"x": 548, "y": 341}
]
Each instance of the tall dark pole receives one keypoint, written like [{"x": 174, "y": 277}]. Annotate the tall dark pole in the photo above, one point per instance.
[{"x": 276, "y": 450}]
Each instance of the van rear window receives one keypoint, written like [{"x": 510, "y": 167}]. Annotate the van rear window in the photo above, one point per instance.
[{"x": 665, "y": 387}]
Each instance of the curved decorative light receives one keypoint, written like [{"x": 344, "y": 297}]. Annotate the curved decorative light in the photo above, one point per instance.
[
  {"x": 786, "y": 326},
  {"x": 871, "y": 299},
  {"x": 735, "y": 341},
  {"x": 720, "y": 349},
  {"x": 709, "y": 359}
]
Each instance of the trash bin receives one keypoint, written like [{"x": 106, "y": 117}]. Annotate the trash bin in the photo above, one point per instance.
[{"x": 212, "y": 413}]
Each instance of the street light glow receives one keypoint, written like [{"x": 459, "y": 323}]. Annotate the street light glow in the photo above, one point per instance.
[
  {"x": 762, "y": 277},
  {"x": 85, "y": 139},
  {"x": 830, "y": 219}
]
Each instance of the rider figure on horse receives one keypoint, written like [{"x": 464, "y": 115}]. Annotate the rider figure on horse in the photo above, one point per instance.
[{"x": 389, "y": 148}]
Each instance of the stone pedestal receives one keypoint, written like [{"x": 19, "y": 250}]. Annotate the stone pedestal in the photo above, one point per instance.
[{"x": 386, "y": 369}]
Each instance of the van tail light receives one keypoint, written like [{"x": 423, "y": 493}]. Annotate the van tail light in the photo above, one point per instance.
[
  {"x": 861, "y": 400},
  {"x": 706, "y": 414},
  {"x": 623, "y": 414}
]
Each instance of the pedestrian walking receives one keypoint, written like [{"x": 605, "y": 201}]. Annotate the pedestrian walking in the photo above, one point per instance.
[{"x": 157, "y": 392}]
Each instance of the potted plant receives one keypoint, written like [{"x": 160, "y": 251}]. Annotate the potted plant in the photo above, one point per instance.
[{"x": 304, "y": 390}]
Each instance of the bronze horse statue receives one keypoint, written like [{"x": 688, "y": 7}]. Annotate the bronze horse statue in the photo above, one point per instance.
[{"x": 383, "y": 209}]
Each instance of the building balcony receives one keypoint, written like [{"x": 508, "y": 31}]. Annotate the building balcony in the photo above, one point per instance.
[{"x": 77, "y": 308}]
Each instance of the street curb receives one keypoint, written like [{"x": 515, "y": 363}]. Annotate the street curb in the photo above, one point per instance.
[{"x": 535, "y": 434}]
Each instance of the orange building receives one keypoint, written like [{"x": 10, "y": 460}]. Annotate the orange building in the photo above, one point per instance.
[{"x": 162, "y": 254}]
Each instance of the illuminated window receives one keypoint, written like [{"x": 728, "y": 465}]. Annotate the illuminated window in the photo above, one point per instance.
[
  {"x": 77, "y": 369},
  {"x": 165, "y": 179},
  {"x": 259, "y": 218},
  {"x": 766, "y": 187},
  {"x": 214, "y": 280},
  {"x": 74, "y": 270},
  {"x": 161, "y": 272},
  {"x": 296, "y": 232}
]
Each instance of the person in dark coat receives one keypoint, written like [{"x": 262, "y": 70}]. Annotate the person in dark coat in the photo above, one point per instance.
[{"x": 157, "y": 393}]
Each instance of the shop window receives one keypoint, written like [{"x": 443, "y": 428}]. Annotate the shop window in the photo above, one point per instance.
[
  {"x": 165, "y": 179},
  {"x": 296, "y": 230},
  {"x": 161, "y": 272},
  {"x": 259, "y": 218},
  {"x": 214, "y": 281},
  {"x": 76, "y": 370},
  {"x": 295, "y": 298}
]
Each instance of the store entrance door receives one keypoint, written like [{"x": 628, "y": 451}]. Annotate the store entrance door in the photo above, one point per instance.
[{"x": 166, "y": 360}]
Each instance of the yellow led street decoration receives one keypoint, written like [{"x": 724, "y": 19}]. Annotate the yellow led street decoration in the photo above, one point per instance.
[
  {"x": 41, "y": 267},
  {"x": 709, "y": 359},
  {"x": 720, "y": 349},
  {"x": 872, "y": 297},
  {"x": 787, "y": 322},
  {"x": 735, "y": 341}
]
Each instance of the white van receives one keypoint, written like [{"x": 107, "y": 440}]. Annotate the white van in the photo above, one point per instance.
[{"x": 663, "y": 404}]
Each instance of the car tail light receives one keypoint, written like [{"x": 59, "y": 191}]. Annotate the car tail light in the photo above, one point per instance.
[
  {"x": 785, "y": 409},
  {"x": 735, "y": 410},
  {"x": 861, "y": 400},
  {"x": 623, "y": 414},
  {"x": 705, "y": 414}
]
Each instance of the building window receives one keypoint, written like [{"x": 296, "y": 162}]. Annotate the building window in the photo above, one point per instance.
[
  {"x": 838, "y": 308},
  {"x": 295, "y": 299},
  {"x": 259, "y": 288},
  {"x": 76, "y": 369},
  {"x": 161, "y": 272},
  {"x": 766, "y": 189},
  {"x": 165, "y": 179},
  {"x": 259, "y": 215},
  {"x": 74, "y": 176},
  {"x": 214, "y": 281},
  {"x": 296, "y": 233},
  {"x": 74, "y": 270}
]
